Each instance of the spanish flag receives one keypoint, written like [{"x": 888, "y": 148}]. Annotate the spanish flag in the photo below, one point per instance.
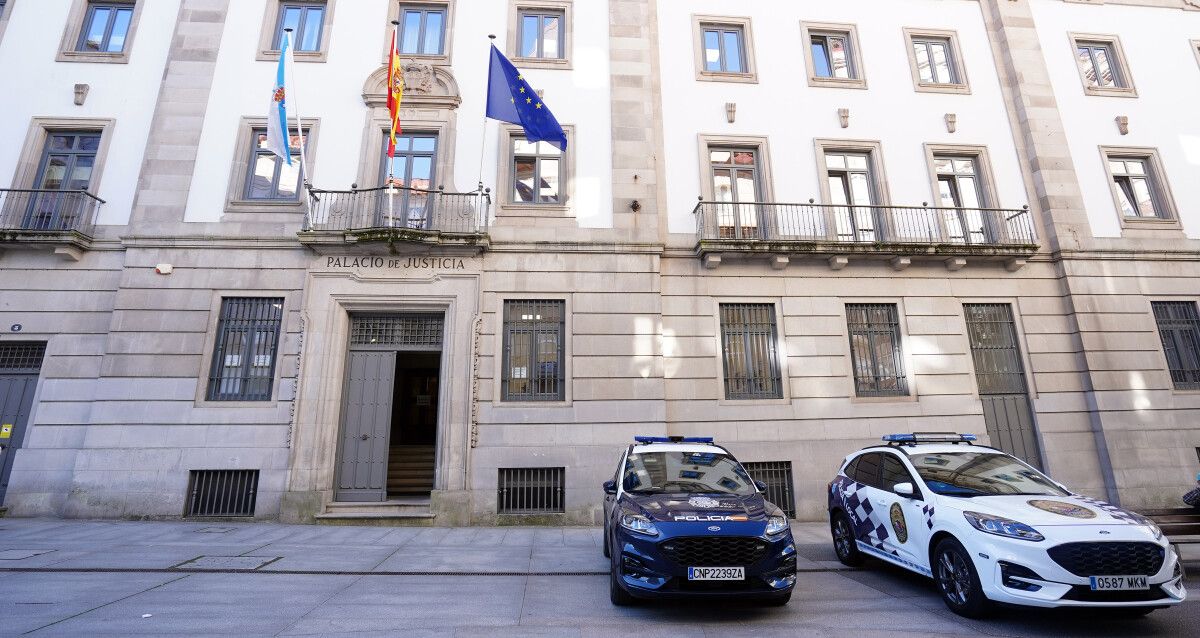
[{"x": 395, "y": 93}]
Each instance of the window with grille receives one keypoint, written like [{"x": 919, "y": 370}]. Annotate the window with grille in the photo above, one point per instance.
[
  {"x": 222, "y": 492},
  {"x": 411, "y": 332},
  {"x": 533, "y": 351},
  {"x": 994, "y": 348},
  {"x": 751, "y": 360},
  {"x": 243, "y": 365},
  {"x": 778, "y": 477},
  {"x": 530, "y": 490},
  {"x": 875, "y": 350},
  {"x": 1179, "y": 329},
  {"x": 18, "y": 357}
]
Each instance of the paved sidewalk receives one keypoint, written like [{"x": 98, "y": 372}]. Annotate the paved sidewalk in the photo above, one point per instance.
[{"x": 57, "y": 545}]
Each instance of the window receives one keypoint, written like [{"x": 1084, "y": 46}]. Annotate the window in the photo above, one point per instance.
[
  {"x": 875, "y": 350},
  {"x": 724, "y": 49},
  {"x": 1102, "y": 66},
  {"x": 531, "y": 490},
  {"x": 1135, "y": 193},
  {"x": 735, "y": 179},
  {"x": 306, "y": 20},
  {"x": 533, "y": 351},
  {"x": 536, "y": 171},
  {"x": 67, "y": 164},
  {"x": 1140, "y": 190},
  {"x": 1179, "y": 329},
  {"x": 269, "y": 177},
  {"x": 852, "y": 192},
  {"x": 866, "y": 471},
  {"x": 959, "y": 187},
  {"x": 422, "y": 30},
  {"x": 243, "y": 364},
  {"x": 833, "y": 58},
  {"x": 413, "y": 166},
  {"x": 750, "y": 357},
  {"x": 892, "y": 471},
  {"x": 936, "y": 61},
  {"x": 106, "y": 27},
  {"x": 541, "y": 34}
]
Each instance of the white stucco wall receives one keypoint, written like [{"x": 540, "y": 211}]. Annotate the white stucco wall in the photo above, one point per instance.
[
  {"x": 783, "y": 108},
  {"x": 332, "y": 92},
  {"x": 1167, "y": 77},
  {"x": 35, "y": 85}
]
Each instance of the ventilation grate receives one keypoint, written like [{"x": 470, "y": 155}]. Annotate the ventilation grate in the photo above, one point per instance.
[
  {"x": 778, "y": 477},
  {"x": 531, "y": 490},
  {"x": 222, "y": 492},
  {"x": 410, "y": 331},
  {"x": 21, "y": 356}
]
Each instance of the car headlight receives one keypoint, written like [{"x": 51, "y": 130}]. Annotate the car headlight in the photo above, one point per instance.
[
  {"x": 1001, "y": 526},
  {"x": 638, "y": 523},
  {"x": 1155, "y": 529},
  {"x": 777, "y": 525}
]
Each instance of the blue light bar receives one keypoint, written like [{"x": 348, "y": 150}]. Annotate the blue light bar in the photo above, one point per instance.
[
  {"x": 930, "y": 437},
  {"x": 673, "y": 439}
]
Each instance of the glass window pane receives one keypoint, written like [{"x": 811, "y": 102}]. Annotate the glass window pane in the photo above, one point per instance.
[
  {"x": 820, "y": 59},
  {"x": 116, "y": 40},
  {"x": 54, "y": 173},
  {"x": 964, "y": 166},
  {"x": 723, "y": 186},
  {"x": 424, "y": 144},
  {"x": 523, "y": 190},
  {"x": 743, "y": 158},
  {"x": 434, "y": 27},
  {"x": 946, "y": 193},
  {"x": 61, "y": 142},
  {"x": 545, "y": 148},
  {"x": 523, "y": 147},
  {"x": 943, "y": 165},
  {"x": 1135, "y": 167},
  {"x": 1125, "y": 197},
  {"x": 969, "y": 191},
  {"x": 712, "y": 51},
  {"x": 835, "y": 160},
  {"x": 422, "y": 173},
  {"x": 733, "y": 51},
  {"x": 529, "y": 36},
  {"x": 261, "y": 180},
  {"x": 310, "y": 40},
  {"x": 1104, "y": 69},
  {"x": 89, "y": 142},
  {"x": 291, "y": 20},
  {"x": 720, "y": 157},
  {"x": 860, "y": 189},
  {"x": 924, "y": 71},
  {"x": 1117, "y": 167},
  {"x": 549, "y": 183},
  {"x": 410, "y": 35},
  {"x": 941, "y": 64},
  {"x": 95, "y": 32},
  {"x": 1145, "y": 202},
  {"x": 289, "y": 180},
  {"x": 837, "y": 190},
  {"x": 81, "y": 173},
  {"x": 747, "y": 189},
  {"x": 550, "y": 35},
  {"x": 838, "y": 58},
  {"x": 399, "y": 170},
  {"x": 858, "y": 162}
]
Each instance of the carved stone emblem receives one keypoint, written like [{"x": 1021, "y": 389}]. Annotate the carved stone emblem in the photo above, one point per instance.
[{"x": 418, "y": 78}]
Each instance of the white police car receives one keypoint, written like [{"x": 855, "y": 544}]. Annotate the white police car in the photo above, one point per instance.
[{"x": 989, "y": 528}]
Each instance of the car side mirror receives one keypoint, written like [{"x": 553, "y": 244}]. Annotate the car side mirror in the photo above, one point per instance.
[
  {"x": 610, "y": 487},
  {"x": 904, "y": 489},
  {"x": 762, "y": 487}
]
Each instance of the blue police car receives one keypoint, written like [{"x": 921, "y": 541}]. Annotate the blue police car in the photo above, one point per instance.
[{"x": 684, "y": 519}]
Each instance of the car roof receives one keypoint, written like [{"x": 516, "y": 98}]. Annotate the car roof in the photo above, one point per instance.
[
  {"x": 927, "y": 448},
  {"x": 698, "y": 448}
]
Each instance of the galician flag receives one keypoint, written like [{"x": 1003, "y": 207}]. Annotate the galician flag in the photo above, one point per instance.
[{"x": 277, "y": 116}]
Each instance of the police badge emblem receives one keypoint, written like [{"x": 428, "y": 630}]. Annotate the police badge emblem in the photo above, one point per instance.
[
  {"x": 898, "y": 524},
  {"x": 703, "y": 502}
]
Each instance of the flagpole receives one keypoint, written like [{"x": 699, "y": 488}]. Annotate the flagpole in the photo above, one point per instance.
[
  {"x": 483, "y": 133},
  {"x": 291, "y": 98}
]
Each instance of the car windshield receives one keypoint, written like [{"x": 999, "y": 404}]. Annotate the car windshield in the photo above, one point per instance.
[
  {"x": 685, "y": 473},
  {"x": 981, "y": 474}
]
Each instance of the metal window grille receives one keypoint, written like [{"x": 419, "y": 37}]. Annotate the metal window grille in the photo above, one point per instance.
[
  {"x": 243, "y": 365},
  {"x": 1179, "y": 328},
  {"x": 531, "y": 490},
  {"x": 222, "y": 492},
  {"x": 993, "y": 337},
  {"x": 875, "y": 350},
  {"x": 533, "y": 351},
  {"x": 778, "y": 477},
  {"x": 751, "y": 360},
  {"x": 21, "y": 357},
  {"x": 409, "y": 331}
]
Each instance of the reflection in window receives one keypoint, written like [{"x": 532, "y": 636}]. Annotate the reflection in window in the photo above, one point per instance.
[
  {"x": 537, "y": 168},
  {"x": 243, "y": 364},
  {"x": 413, "y": 166},
  {"x": 1135, "y": 188},
  {"x": 831, "y": 56},
  {"x": 852, "y": 192},
  {"x": 724, "y": 51},
  {"x": 271, "y": 178},
  {"x": 541, "y": 35},
  {"x": 305, "y": 19},
  {"x": 934, "y": 62},
  {"x": 422, "y": 31},
  {"x": 875, "y": 350},
  {"x": 1098, "y": 66},
  {"x": 105, "y": 27},
  {"x": 959, "y": 189}
]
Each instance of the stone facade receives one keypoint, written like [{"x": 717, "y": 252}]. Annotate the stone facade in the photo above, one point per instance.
[{"x": 121, "y": 416}]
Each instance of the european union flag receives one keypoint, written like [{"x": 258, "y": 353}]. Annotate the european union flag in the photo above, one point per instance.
[{"x": 511, "y": 99}]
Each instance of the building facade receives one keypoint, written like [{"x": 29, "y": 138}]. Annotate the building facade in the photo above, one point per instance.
[{"x": 794, "y": 228}]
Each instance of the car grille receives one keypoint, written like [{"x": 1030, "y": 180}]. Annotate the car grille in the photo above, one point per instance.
[
  {"x": 714, "y": 551},
  {"x": 1084, "y": 593},
  {"x": 1109, "y": 559}
]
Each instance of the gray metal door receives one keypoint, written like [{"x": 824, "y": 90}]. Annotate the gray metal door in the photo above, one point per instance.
[
  {"x": 1000, "y": 373},
  {"x": 20, "y": 364},
  {"x": 366, "y": 427}
]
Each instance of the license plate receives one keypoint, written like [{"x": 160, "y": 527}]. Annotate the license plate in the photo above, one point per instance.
[
  {"x": 1118, "y": 583},
  {"x": 716, "y": 573}
]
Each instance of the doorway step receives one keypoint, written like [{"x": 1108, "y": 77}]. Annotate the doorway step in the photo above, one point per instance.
[
  {"x": 410, "y": 470},
  {"x": 396, "y": 511}
]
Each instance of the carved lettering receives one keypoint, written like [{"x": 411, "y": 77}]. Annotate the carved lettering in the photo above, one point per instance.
[{"x": 408, "y": 263}]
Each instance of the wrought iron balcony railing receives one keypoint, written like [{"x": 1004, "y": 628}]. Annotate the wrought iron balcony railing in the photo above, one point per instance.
[
  {"x": 398, "y": 208},
  {"x": 48, "y": 211},
  {"x": 870, "y": 225}
]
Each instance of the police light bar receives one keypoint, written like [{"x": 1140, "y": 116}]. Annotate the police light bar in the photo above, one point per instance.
[
  {"x": 673, "y": 439},
  {"x": 930, "y": 437}
]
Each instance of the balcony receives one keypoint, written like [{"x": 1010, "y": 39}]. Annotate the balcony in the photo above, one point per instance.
[
  {"x": 902, "y": 233},
  {"x": 63, "y": 221},
  {"x": 394, "y": 220}
]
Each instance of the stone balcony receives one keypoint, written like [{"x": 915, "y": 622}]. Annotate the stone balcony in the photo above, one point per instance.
[
  {"x": 61, "y": 221},
  {"x": 780, "y": 232},
  {"x": 396, "y": 220}
]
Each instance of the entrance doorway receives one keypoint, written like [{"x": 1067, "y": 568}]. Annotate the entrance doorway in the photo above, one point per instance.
[
  {"x": 20, "y": 364},
  {"x": 389, "y": 425}
]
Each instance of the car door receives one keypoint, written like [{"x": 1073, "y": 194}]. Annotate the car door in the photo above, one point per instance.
[
  {"x": 610, "y": 500},
  {"x": 905, "y": 517},
  {"x": 865, "y": 504}
]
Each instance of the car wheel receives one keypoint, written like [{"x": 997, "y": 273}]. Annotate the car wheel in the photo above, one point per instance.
[
  {"x": 607, "y": 551},
  {"x": 957, "y": 581},
  {"x": 617, "y": 594},
  {"x": 844, "y": 544}
]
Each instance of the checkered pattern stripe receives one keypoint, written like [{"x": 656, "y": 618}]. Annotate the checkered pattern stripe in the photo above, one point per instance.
[
  {"x": 927, "y": 510},
  {"x": 1113, "y": 511},
  {"x": 868, "y": 526}
]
